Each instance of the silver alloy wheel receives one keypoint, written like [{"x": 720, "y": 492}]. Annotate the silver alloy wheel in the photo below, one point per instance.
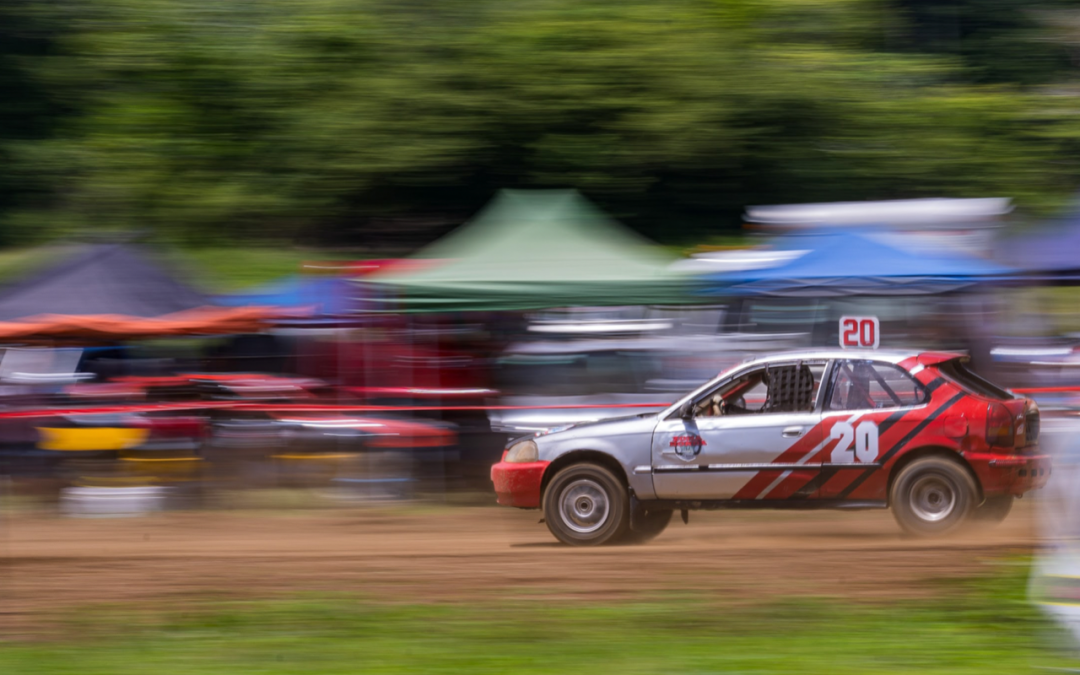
[
  {"x": 584, "y": 506},
  {"x": 933, "y": 498}
]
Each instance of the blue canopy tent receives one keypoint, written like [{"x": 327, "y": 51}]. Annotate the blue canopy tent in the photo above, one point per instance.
[
  {"x": 846, "y": 264},
  {"x": 1051, "y": 253},
  {"x": 317, "y": 298}
]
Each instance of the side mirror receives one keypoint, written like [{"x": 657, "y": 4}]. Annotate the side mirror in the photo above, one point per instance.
[{"x": 686, "y": 411}]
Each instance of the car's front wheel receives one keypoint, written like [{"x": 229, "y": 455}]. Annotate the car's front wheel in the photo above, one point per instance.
[
  {"x": 932, "y": 496},
  {"x": 586, "y": 505}
]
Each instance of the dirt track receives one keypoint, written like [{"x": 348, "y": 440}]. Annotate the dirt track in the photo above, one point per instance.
[{"x": 459, "y": 554}]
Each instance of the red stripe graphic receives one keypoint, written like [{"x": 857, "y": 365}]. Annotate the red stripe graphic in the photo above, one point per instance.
[
  {"x": 793, "y": 454},
  {"x": 892, "y": 436},
  {"x": 799, "y": 479},
  {"x": 1048, "y": 390},
  {"x": 909, "y": 363}
]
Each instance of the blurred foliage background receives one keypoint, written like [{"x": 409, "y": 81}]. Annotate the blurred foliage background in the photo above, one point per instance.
[{"x": 386, "y": 122}]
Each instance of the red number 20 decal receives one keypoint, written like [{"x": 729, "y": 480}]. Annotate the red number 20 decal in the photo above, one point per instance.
[{"x": 859, "y": 331}]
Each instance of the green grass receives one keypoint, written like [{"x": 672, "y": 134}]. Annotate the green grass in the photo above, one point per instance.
[{"x": 973, "y": 627}]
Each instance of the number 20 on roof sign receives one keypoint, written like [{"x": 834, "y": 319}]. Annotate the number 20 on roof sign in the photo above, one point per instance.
[{"x": 859, "y": 332}]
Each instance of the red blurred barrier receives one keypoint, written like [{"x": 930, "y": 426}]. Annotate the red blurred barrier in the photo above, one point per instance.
[{"x": 294, "y": 407}]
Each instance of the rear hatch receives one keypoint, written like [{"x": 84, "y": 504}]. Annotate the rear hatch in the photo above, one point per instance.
[{"x": 1022, "y": 412}]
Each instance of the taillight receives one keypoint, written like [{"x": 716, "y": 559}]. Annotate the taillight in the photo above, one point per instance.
[{"x": 999, "y": 426}]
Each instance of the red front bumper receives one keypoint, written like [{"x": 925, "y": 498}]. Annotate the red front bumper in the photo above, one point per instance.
[
  {"x": 518, "y": 484},
  {"x": 1010, "y": 474}
]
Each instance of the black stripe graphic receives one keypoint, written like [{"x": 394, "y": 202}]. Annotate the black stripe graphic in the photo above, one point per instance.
[
  {"x": 813, "y": 484},
  {"x": 884, "y": 459},
  {"x": 898, "y": 415},
  {"x": 934, "y": 384},
  {"x": 825, "y": 474},
  {"x": 891, "y": 420},
  {"x": 823, "y": 477}
]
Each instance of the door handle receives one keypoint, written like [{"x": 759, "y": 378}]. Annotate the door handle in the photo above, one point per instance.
[{"x": 792, "y": 432}]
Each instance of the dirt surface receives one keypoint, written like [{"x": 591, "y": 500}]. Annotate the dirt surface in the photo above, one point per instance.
[{"x": 52, "y": 564}]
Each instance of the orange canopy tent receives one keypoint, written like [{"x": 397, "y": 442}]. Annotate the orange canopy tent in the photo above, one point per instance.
[{"x": 112, "y": 327}]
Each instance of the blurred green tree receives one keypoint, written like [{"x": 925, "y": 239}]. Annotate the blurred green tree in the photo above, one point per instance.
[
  {"x": 30, "y": 109},
  {"x": 998, "y": 41},
  {"x": 374, "y": 121}
]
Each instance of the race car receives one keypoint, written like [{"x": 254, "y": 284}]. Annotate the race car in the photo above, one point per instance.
[{"x": 919, "y": 433}]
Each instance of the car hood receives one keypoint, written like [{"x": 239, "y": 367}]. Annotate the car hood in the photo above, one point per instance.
[{"x": 612, "y": 425}]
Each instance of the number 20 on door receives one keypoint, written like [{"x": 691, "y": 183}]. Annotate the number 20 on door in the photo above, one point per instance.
[{"x": 865, "y": 436}]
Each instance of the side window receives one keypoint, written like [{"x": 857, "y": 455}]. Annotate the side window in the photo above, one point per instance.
[
  {"x": 789, "y": 387},
  {"x": 754, "y": 397},
  {"x": 862, "y": 385}
]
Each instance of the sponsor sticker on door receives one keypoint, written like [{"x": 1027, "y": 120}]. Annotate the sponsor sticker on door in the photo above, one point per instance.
[{"x": 688, "y": 446}]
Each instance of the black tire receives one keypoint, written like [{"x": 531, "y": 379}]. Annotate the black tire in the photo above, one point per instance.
[
  {"x": 932, "y": 496},
  {"x": 994, "y": 509},
  {"x": 586, "y": 505},
  {"x": 650, "y": 525}
]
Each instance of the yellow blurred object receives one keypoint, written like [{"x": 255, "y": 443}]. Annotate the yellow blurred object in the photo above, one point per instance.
[
  {"x": 325, "y": 455},
  {"x": 90, "y": 439},
  {"x": 111, "y": 481},
  {"x": 161, "y": 459}
]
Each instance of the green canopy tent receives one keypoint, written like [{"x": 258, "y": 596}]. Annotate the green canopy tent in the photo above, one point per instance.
[{"x": 533, "y": 250}]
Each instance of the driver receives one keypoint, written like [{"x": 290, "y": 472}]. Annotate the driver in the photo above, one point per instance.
[
  {"x": 717, "y": 405},
  {"x": 736, "y": 406},
  {"x": 715, "y": 408}
]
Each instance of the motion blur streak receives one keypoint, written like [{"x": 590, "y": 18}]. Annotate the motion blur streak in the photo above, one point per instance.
[{"x": 282, "y": 284}]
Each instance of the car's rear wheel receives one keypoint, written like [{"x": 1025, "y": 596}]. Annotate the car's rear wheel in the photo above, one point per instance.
[
  {"x": 586, "y": 505},
  {"x": 649, "y": 525},
  {"x": 994, "y": 509},
  {"x": 932, "y": 496}
]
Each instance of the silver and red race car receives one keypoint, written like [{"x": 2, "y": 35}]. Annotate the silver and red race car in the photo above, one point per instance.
[{"x": 917, "y": 432}]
